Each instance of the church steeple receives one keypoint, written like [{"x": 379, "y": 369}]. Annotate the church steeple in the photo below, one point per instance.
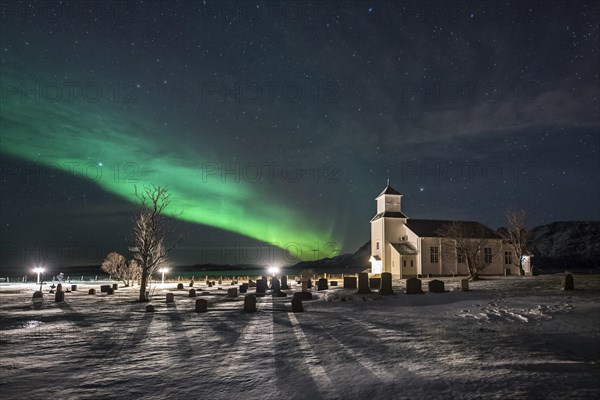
[{"x": 389, "y": 199}]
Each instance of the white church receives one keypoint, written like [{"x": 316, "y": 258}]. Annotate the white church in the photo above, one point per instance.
[{"x": 408, "y": 247}]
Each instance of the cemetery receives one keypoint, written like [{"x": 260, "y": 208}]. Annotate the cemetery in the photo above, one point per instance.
[{"x": 328, "y": 336}]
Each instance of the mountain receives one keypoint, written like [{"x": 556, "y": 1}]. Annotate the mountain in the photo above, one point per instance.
[
  {"x": 568, "y": 245},
  {"x": 358, "y": 259}
]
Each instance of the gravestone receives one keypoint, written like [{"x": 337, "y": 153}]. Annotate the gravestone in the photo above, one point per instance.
[
  {"x": 250, "y": 303},
  {"x": 201, "y": 305},
  {"x": 73, "y": 288},
  {"x": 303, "y": 295},
  {"x": 110, "y": 290},
  {"x": 569, "y": 283},
  {"x": 284, "y": 282},
  {"x": 386, "y": 283},
  {"x": 374, "y": 283},
  {"x": 363, "y": 283},
  {"x": 304, "y": 286},
  {"x": 265, "y": 282},
  {"x": 506, "y": 271},
  {"x": 170, "y": 297},
  {"x": 92, "y": 291},
  {"x": 275, "y": 284},
  {"x": 322, "y": 284},
  {"x": 436, "y": 286},
  {"x": 464, "y": 285},
  {"x": 149, "y": 308},
  {"x": 413, "y": 286},
  {"x": 192, "y": 283},
  {"x": 243, "y": 288},
  {"x": 220, "y": 280},
  {"x": 192, "y": 293},
  {"x": 232, "y": 292},
  {"x": 308, "y": 284},
  {"x": 115, "y": 286},
  {"x": 207, "y": 281},
  {"x": 297, "y": 305},
  {"x": 104, "y": 288},
  {"x": 251, "y": 283},
  {"x": 210, "y": 284},
  {"x": 349, "y": 282},
  {"x": 37, "y": 299},
  {"x": 59, "y": 287},
  {"x": 59, "y": 297},
  {"x": 261, "y": 286},
  {"x": 180, "y": 286}
]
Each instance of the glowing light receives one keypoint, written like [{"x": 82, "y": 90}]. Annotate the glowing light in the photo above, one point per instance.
[
  {"x": 39, "y": 270},
  {"x": 163, "y": 271},
  {"x": 273, "y": 270}
]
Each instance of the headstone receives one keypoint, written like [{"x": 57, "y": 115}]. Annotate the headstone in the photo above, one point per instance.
[
  {"x": 192, "y": 293},
  {"x": 265, "y": 282},
  {"x": 284, "y": 282},
  {"x": 308, "y": 284},
  {"x": 333, "y": 283},
  {"x": 59, "y": 287},
  {"x": 297, "y": 305},
  {"x": 374, "y": 283},
  {"x": 192, "y": 283},
  {"x": 303, "y": 295},
  {"x": 261, "y": 286},
  {"x": 92, "y": 291},
  {"x": 232, "y": 292},
  {"x": 363, "y": 283},
  {"x": 207, "y": 282},
  {"x": 180, "y": 286},
  {"x": 413, "y": 286},
  {"x": 322, "y": 284},
  {"x": 251, "y": 283},
  {"x": 386, "y": 283},
  {"x": 110, "y": 290},
  {"x": 210, "y": 284},
  {"x": 506, "y": 271},
  {"x": 349, "y": 282},
  {"x": 149, "y": 308},
  {"x": 304, "y": 286},
  {"x": 275, "y": 284},
  {"x": 220, "y": 280},
  {"x": 201, "y": 305},
  {"x": 243, "y": 288},
  {"x": 115, "y": 286},
  {"x": 569, "y": 283},
  {"x": 59, "y": 297},
  {"x": 436, "y": 286},
  {"x": 170, "y": 297},
  {"x": 37, "y": 300},
  {"x": 104, "y": 288},
  {"x": 250, "y": 303},
  {"x": 464, "y": 285},
  {"x": 73, "y": 288}
]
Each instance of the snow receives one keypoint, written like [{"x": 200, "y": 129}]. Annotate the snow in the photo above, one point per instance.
[{"x": 510, "y": 337}]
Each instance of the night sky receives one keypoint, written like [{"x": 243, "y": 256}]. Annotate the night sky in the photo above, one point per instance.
[{"x": 276, "y": 124}]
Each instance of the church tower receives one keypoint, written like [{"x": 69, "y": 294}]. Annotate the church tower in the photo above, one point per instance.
[{"x": 385, "y": 226}]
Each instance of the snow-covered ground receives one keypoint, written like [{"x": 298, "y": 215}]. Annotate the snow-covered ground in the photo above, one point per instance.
[{"x": 512, "y": 337}]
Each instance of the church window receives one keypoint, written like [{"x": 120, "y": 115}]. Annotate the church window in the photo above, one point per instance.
[
  {"x": 377, "y": 245},
  {"x": 487, "y": 255},
  {"x": 434, "y": 254},
  {"x": 508, "y": 258},
  {"x": 411, "y": 263},
  {"x": 404, "y": 263}
]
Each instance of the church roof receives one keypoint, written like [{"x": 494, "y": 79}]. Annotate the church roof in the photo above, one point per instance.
[
  {"x": 389, "y": 214},
  {"x": 431, "y": 228},
  {"x": 406, "y": 249},
  {"x": 389, "y": 190}
]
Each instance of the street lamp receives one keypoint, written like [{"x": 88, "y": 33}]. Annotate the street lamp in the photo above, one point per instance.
[
  {"x": 38, "y": 270},
  {"x": 273, "y": 270},
  {"x": 163, "y": 270}
]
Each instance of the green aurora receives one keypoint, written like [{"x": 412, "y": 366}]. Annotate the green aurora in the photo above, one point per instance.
[{"x": 119, "y": 152}]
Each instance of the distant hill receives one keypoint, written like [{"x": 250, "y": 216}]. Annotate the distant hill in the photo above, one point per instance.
[{"x": 566, "y": 245}]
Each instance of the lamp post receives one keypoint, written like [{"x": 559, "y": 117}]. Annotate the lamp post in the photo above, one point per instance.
[
  {"x": 38, "y": 270},
  {"x": 273, "y": 270},
  {"x": 163, "y": 270}
]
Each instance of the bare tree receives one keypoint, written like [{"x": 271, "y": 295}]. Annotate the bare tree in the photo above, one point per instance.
[
  {"x": 468, "y": 242},
  {"x": 134, "y": 271},
  {"x": 116, "y": 266},
  {"x": 150, "y": 231},
  {"x": 516, "y": 235}
]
